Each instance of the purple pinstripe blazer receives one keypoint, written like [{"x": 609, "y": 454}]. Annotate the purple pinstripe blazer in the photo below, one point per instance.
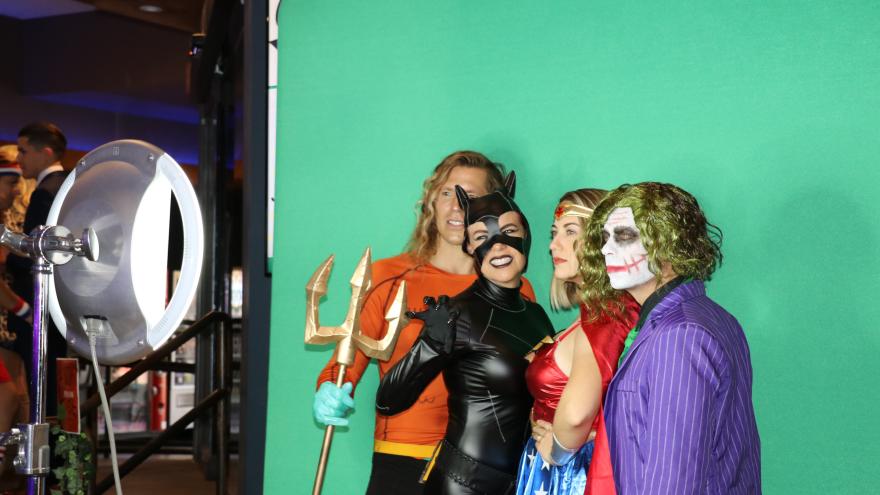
[{"x": 679, "y": 410}]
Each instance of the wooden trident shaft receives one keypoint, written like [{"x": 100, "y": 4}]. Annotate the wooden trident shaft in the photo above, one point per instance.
[{"x": 348, "y": 336}]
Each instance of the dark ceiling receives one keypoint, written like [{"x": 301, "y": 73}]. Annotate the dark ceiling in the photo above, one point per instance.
[
  {"x": 182, "y": 15},
  {"x": 102, "y": 70}
]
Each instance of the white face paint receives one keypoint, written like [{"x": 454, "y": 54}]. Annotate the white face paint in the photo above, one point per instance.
[{"x": 626, "y": 259}]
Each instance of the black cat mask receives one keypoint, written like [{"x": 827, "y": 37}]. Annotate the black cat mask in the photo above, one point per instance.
[{"x": 488, "y": 209}]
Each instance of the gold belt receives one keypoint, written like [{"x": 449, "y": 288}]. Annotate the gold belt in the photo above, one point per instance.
[{"x": 404, "y": 449}]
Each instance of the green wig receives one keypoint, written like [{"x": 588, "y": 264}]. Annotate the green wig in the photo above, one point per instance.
[{"x": 673, "y": 229}]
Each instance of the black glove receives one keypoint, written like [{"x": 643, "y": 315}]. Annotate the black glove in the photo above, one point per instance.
[{"x": 439, "y": 318}]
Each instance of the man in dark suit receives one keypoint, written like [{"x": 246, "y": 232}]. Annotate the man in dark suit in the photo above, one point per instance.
[{"x": 40, "y": 148}]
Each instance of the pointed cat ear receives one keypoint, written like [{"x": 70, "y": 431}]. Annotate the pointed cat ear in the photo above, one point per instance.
[
  {"x": 510, "y": 184},
  {"x": 462, "y": 197}
]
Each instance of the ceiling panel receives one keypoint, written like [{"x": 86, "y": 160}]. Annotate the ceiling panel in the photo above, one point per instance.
[
  {"x": 183, "y": 15},
  {"x": 35, "y": 9}
]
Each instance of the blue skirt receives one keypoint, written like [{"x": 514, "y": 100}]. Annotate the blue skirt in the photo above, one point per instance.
[{"x": 536, "y": 477}]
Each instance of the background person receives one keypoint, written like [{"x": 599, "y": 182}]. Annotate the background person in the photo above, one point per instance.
[
  {"x": 14, "y": 196},
  {"x": 14, "y": 400},
  {"x": 41, "y": 146}
]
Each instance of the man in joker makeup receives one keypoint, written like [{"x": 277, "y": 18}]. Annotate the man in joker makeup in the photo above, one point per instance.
[{"x": 679, "y": 410}]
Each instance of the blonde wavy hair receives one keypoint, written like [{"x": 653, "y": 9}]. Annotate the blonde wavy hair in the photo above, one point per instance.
[
  {"x": 565, "y": 294},
  {"x": 423, "y": 241},
  {"x": 13, "y": 217}
]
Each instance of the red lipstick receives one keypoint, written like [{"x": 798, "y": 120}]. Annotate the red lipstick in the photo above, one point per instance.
[{"x": 624, "y": 268}]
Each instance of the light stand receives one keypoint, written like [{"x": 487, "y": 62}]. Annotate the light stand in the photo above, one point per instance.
[
  {"x": 46, "y": 246},
  {"x": 115, "y": 310}
]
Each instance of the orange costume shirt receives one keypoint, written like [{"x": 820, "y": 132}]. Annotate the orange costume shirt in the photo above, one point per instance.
[{"x": 425, "y": 422}]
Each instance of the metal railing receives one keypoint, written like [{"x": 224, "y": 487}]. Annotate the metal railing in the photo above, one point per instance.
[{"x": 219, "y": 398}]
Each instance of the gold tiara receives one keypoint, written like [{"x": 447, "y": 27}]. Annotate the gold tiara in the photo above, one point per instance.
[{"x": 572, "y": 210}]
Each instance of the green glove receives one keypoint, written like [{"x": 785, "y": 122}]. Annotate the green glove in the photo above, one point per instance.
[{"x": 332, "y": 404}]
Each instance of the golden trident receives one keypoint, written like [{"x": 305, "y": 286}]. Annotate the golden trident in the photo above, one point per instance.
[{"x": 348, "y": 335}]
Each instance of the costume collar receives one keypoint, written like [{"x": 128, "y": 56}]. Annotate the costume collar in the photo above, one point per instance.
[
  {"x": 671, "y": 298},
  {"x": 51, "y": 169},
  {"x": 502, "y": 297},
  {"x": 654, "y": 299},
  {"x": 688, "y": 289}
]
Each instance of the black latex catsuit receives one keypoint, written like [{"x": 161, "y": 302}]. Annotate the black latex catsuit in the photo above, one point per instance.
[{"x": 479, "y": 340}]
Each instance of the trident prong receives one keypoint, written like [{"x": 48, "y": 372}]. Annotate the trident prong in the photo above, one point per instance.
[
  {"x": 396, "y": 318},
  {"x": 315, "y": 290},
  {"x": 348, "y": 335}
]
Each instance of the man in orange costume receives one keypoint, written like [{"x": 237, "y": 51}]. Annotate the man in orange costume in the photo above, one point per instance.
[{"x": 433, "y": 264}]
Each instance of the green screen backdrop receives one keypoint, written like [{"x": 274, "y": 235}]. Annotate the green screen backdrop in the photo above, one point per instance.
[{"x": 768, "y": 111}]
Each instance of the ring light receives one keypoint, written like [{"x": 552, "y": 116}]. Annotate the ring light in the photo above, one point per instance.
[{"x": 122, "y": 190}]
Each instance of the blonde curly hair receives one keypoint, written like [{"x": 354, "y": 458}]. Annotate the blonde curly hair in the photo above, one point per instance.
[
  {"x": 13, "y": 217},
  {"x": 423, "y": 241}
]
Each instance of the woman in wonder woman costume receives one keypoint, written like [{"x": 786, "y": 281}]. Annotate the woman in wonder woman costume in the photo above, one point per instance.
[
  {"x": 479, "y": 339},
  {"x": 568, "y": 378}
]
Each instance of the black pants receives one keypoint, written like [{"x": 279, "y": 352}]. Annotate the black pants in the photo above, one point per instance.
[{"x": 395, "y": 474}]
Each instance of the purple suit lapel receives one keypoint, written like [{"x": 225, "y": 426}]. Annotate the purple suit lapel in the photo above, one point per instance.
[{"x": 672, "y": 300}]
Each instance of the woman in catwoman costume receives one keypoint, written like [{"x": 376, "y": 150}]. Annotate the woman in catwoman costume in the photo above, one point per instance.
[{"x": 479, "y": 339}]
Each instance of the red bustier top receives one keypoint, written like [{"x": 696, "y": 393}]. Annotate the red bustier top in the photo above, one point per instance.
[
  {"x": 606, "y": 336},
  {"x": 545, "y": 380}
]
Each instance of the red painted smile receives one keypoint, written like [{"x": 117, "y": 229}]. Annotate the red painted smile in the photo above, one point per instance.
[{"x": 625, "y": 268}]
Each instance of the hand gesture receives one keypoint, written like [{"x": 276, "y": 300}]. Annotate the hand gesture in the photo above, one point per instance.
[{"x": 439, "y": 318}]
